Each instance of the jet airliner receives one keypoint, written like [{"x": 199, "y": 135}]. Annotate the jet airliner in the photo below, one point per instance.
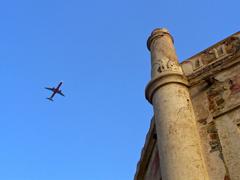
[{"x": 55, "y": 91}]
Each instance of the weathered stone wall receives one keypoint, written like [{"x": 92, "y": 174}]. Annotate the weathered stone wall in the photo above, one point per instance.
[
  {"x": 216, "y": 104},
  {"x": 148, "y": 167},
  {"x": 213, "y": 81},
  {"x": 153, "y": 171}
]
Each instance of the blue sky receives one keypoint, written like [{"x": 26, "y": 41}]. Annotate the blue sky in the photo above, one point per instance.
[{"x": 98, "y": 48}]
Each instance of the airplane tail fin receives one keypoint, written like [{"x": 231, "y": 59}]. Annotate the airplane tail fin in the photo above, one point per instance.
[{"x": 50, "y": 99}]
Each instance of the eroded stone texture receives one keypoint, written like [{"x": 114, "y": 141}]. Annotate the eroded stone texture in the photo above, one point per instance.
[
  {"x": 196, "y": 112},
  {"x": 163, "y": 56},
  {"x": 229, "y": 138},
  {"x": 178, "y": 142},
  {"x": 153, "y": 170},
  {"x": 215, "y": 96}
]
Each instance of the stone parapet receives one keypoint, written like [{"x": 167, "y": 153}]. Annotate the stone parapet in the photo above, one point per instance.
[{"x": 211, "y": 57}]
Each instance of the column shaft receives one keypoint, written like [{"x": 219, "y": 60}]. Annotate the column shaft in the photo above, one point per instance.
[{"x": 178, "y": 140}]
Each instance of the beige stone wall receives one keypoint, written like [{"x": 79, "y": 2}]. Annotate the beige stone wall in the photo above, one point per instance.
[
  {"x": 229, "y": 136},
  {"x": 217, "y": 108},
  {"x": 153, "y": 171},
  {"x": 148, "y": 167}
]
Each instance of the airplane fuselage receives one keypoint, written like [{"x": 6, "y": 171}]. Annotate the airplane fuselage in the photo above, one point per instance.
[
  {"x": 59, "y": 86},
  {"x": 55, "y": 91}
]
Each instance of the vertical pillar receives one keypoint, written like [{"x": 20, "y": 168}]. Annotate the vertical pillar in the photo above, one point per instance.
[{"x": 178, "y": 141}]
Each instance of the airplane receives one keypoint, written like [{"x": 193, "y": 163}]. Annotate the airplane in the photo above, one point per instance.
[{"x": 55, "y": 91}]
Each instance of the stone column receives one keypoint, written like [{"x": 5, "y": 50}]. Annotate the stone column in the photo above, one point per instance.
[{"x": 177, "y": 137}]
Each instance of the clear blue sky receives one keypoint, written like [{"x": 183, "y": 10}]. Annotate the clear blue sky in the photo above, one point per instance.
[{"x": 98, "y": 48}]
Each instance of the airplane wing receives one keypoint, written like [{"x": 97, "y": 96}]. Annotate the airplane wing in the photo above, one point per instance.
[
  {"x": 60, "y": 92},
  {"x": 51, "y": 89}
]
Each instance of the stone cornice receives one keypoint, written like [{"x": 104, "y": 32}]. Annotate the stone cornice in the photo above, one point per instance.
[
  {"x": 217, "y": 114},
  {"x": 215, "y": 58},
  {"x": 146, "y": 152},
  {"x": 213, "y": 68}
]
